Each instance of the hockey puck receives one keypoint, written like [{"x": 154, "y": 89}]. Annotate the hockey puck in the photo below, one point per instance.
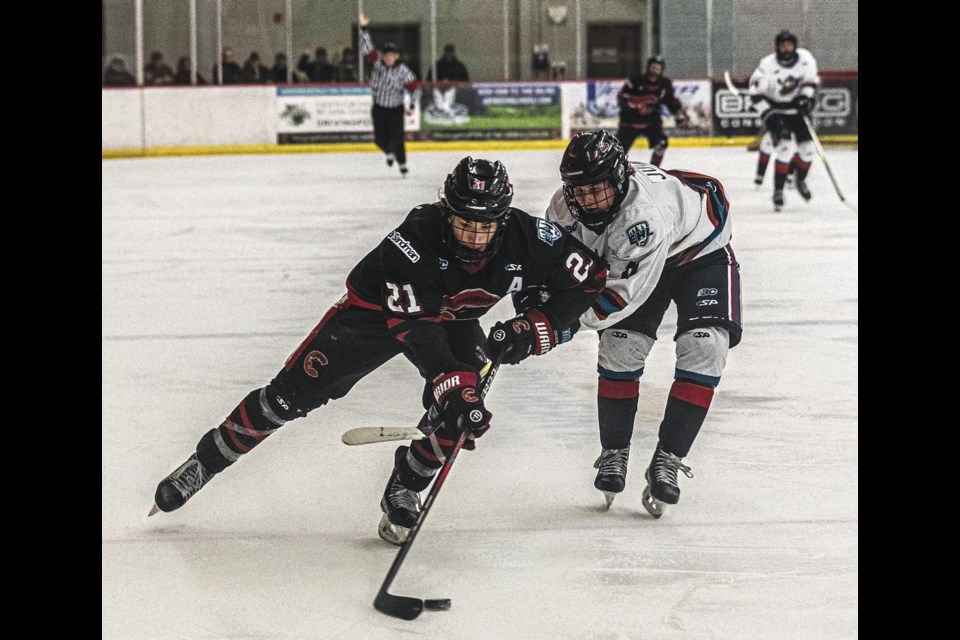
[{"x": 441, "y": 604}]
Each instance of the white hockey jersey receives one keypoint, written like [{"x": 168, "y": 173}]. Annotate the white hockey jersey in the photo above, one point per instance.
[
  {"x": 667, "y": 219},
  {"x": 775, "y": 86}
]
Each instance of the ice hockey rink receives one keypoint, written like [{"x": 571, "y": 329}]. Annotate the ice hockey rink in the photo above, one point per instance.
[{"x": 215, "y": 268}]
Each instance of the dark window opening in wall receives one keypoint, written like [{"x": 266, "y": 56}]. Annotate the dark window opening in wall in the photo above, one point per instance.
[
  {"x": 613, "y": 50},
  {"x": 405, "y": 36}
]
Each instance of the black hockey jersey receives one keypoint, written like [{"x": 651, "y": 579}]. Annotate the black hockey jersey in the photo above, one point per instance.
[
  {"x": 640, "y": 101},
  {"x": 413, "y": 279}
]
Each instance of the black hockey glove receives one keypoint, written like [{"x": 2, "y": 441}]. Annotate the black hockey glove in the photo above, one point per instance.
[
  {"x": 459, "y": 404},
  {"x": 529, "y": 334},
  {"x": 804, "y": 104}
]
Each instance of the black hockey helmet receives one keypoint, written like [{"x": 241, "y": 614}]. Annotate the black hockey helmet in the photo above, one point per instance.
[
  {"x": 657, "y": 60},
  {"x": 594, "y": 157},
  {"x": 787, "y": 57},
  {"x": 390, "y": 47},
  {"x": 476, "y": 191}
]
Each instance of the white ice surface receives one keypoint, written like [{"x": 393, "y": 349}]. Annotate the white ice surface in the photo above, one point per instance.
[{"x": 214, "y": 269}]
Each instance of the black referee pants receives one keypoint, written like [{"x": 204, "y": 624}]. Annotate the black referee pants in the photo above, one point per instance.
[{"x": 388, "y": 131}]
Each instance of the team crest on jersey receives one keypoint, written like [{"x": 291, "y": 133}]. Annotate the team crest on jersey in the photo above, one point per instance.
[
  {"x": 639, "y": 234},
  {"x": 467, "y": 299},
  {"x": 548, "y": 232}
]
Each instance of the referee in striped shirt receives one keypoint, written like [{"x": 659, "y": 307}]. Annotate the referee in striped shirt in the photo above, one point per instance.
[{"x": 395, "y": 91}]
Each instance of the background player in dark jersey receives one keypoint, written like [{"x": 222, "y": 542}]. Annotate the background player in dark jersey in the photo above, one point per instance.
[
  {"x": 640, "y": 108},
  {"x": 419, "y": 293}
]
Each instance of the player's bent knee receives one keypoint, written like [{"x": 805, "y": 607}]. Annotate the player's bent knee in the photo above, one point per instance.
[
  {"x": 623, "y": 354},
  {"x": 702, "y": 355},
  {"x": 282, "y": 401}
]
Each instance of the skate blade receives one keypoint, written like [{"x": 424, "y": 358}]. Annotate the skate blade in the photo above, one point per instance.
[
  {"x": 391, "y": 533},
  {"x": 778, "y": 207},
  {"x": 653, "y": 506},
  {"x": 153, "y": 510},
  {"x": 609, "y": 496}
]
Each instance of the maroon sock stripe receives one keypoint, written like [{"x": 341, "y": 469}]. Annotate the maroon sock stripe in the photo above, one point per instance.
[
  {"x": 618, "y": 389},
  {"x": 783, "y": 167},
  {"x": 422, "y": 452},
  {"x": 692, "y": 393}
]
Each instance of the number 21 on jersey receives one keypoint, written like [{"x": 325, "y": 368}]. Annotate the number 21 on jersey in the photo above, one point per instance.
[{"x": 402, "y": 301}]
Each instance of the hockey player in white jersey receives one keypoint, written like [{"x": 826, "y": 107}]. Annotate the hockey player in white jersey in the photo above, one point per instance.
[
  {"x": 783, "y": 90},
  {"x": 666, "y": 236}
]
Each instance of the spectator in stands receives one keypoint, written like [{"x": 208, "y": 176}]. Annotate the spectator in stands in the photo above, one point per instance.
[
  {"x": 541, "y": 61},
  {"x": 116, "y": 74},
  {"x": 347, "y": 69},
  {"x": 157, "y": 73},
  {"x": 302, "y": 74},
  {"x": 449, "y": 67},
  {"x": 279, "y": 72},
  {"x": 232, "y": 74},
  {"x": 183, "y": 72},
  {"x": 321, "y": 70},
  {"x": 253, "y": 71}
]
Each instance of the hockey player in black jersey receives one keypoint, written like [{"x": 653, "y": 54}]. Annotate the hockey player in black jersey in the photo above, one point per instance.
[
  {"x": 419, "y": 293},
  {"x": 640, "y": 103}
]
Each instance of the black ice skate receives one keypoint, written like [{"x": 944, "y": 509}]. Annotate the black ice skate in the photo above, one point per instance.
[
  {"x": 612, "y": 472},
  {"x": 403, "y": 170},
  {"x": 401, "y": 508},
  {"x": 778, "y": 199},
  {"x": 390, "y": 159},
  {"x": 174, "y": 490},
  {"x": 758, "y": 180},
  {"x": 662, "y": 488},
  {"x": 803, "y": 190}
]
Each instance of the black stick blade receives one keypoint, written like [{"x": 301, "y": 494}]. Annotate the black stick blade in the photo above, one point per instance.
[{"x": 402, "y": 607}]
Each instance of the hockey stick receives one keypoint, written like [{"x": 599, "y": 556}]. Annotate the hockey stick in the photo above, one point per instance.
[
  {"x": 406, "y": 607},
  {"x": 823, "y": 158},
  {"x": 371, "y": 435},
  {"x": 758, "y": 139},
  {"x": 733, "y": 89}
]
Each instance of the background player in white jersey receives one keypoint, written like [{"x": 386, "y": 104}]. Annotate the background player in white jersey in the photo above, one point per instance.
[
  {"x": 666, "y": 237},
  {"x": 783, "y": 89}
]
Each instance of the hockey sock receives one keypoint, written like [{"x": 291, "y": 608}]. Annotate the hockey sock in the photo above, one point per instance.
[
  {"x": 616, "y": 409},
  {"x": 780, "y": 175},
  {"x": 763, "y": 159},
  {"x": 410, "y": 471},
  {"x": 801, "y": 167},
  {"x": 248, "y": 425},
  {"x": 686, "y": 410}
]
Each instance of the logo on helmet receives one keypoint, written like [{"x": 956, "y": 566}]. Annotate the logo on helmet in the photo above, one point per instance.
[{"x": 477, "y": 185}]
